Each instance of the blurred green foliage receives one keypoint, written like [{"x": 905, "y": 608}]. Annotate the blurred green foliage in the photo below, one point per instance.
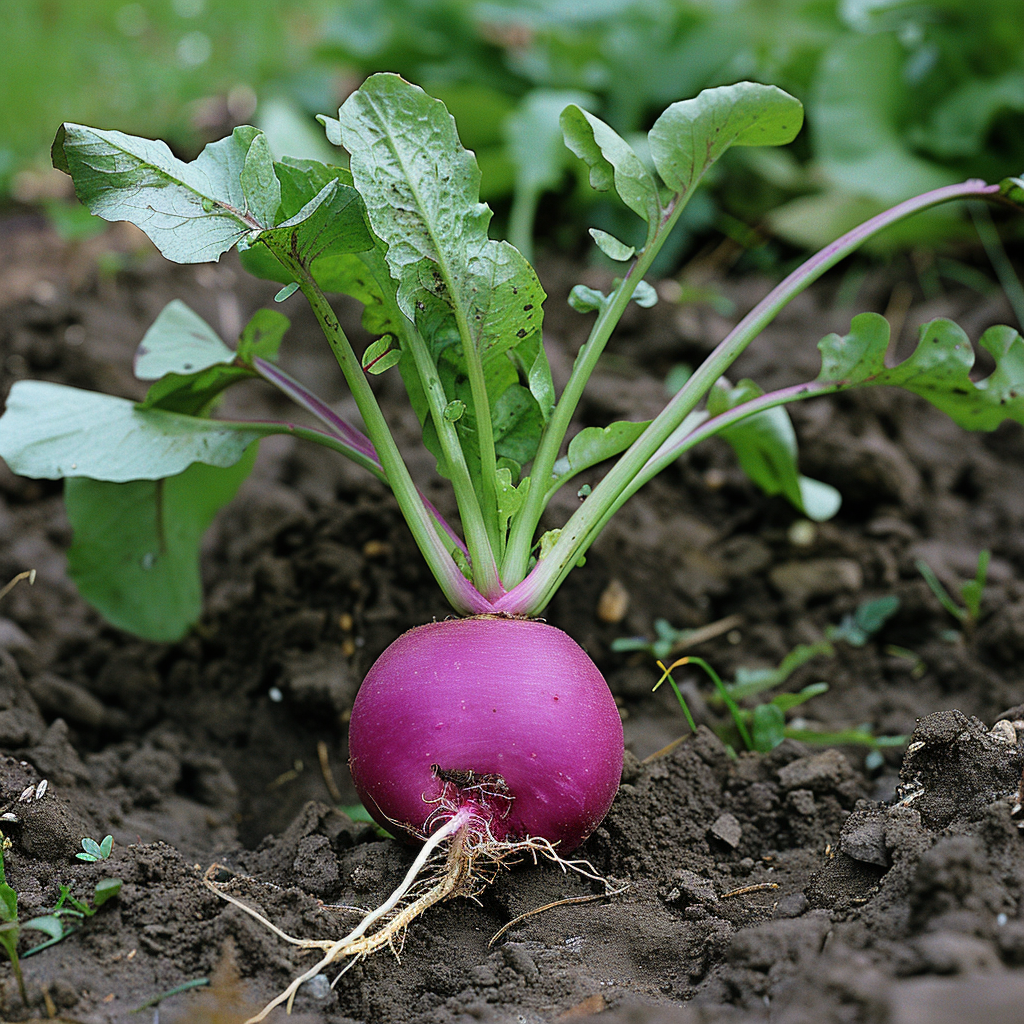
[
  {"x": 178, "y": 69},
  {"x": 901, "y": 95}
]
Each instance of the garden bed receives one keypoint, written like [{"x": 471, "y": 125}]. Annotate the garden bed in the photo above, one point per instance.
[{"x": 807, "y": 883}]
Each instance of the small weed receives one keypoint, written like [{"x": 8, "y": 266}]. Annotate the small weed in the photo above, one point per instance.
[
  {"x": 56, "y": 924},
  {"x": 970, "y": 592},
  {"x": 93, "y": 851},
  {"x": 764, "y": 727},
  {"x": 868, "y": 618}
]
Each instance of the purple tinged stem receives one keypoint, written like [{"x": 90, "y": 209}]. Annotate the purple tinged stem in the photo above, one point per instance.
[{"x": 343, "y": 431}]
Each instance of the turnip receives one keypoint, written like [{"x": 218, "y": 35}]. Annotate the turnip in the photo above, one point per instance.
[
  {"x": 491, "y": 735},
  {"x": 506, "y": 717}
]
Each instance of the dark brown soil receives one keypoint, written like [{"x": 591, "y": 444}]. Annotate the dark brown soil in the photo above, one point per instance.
[{"x": 808, "y": 884}]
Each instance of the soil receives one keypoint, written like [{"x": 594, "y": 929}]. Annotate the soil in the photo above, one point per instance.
[{"x": 809, "y": 883}]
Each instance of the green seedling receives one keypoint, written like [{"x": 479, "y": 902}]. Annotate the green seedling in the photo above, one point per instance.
[
  {"x": 93, "y": 851},
  {"x": 970, "y": 592},
  {"x": 666, "y": 638},
  {"x": 764, "y": 727},
  {"x": 10, "y": 930},
  {"x": 53, "y": 923},
  {"x": 59, "y": 923},
  {"x": 867, "y": 619}
]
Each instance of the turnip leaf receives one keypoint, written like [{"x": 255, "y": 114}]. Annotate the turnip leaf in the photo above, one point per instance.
[
  {"x": 262, "y": 336},
  {"x": 937, "y": 370},
  {"x": 612, "y": 162},
  {"x": 766, "y": 447},
  {"x": 595, "y": 444},
  {"x": 193, "y": 365},
  {"x": 611, "y": 246},
  {"x": 473, "y": 300},
  {"x": 692, "y": 134},
  {"x": 179, "y": 341},
  {"x": 52, "y": 431},
  {"x": 421, "y": 192},
  {"x": 193, "y": 212},
  {"x": 323, "y": 214},
  {"x": 135, "y": 553}
]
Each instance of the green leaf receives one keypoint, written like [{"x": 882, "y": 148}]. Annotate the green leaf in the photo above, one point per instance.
[
  {"x": 766, "y": 448},
  {"x": 380, "y": 355},
  {"x": 645, "y": 295},
  {"x": 510, "y": 499},
  {"x": 751, "y": 681},
  {"x": 595, "y": 444},
  {"x": 106, "y": 889},
  {"x": 517, "y": 424},
  {"x": 193, "y": 365},
  {"x": 584, "y": 299},
  {"x": 91, "y": 848},
  {"x": 692, "y": 134},
  {"x": 330, "y": 218},
  {"x": 260, "y": 186},
  {"x": 8, "y": 903},
  {"x": 534, "y": 138},
  {"x": 859, "y": 109},
  {"x": 866, "y": 620},
  {"x": 788, "y": 701},
  {"x": 262, "y": 336},
  {"x": 194, "y": 212},
  {"x": 106, "y": 846},
  {"x": 135, "y": 553},
  {"x": 1012, "y": 189},
  {"x": 611, "y": 246},
  {"x": 179, "y": 341},
  {"x": 937, "y": 370},
  {"x": 767, "y": 725},
  {"x": 532, "y": 363},
  {"x": 612, "y": 162},
  {"x": 49, "y": 925},
  {"x": 960, "y": 122},
  {"x": 52, "y": 431},
  {"x": 420, "y": 188}
]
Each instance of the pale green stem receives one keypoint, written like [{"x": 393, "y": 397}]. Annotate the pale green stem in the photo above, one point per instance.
[
  {"x": 517, "y": 554},
  {"x": 485, "y": 568},
  {"x": 533, "y": 594},
  {"x": 462, "y": 596}
]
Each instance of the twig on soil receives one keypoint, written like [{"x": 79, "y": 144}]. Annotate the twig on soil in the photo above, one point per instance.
[
  {"x": 747, "y": 889},
  {"x": 325, "y": 769},
  {"x": 708, "y": 632},
  {"x": 550, "y": 906},
  {"x": 29, "y": 575}
]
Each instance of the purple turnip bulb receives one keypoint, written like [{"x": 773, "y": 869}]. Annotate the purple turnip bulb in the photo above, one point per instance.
[{"x": 506, "y": 717}]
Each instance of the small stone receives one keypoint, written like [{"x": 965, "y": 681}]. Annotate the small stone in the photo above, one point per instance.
[
  {"x": 613, "y": 603},
  {"x": 802, "y": 801},
  {"x": 1003, "y": 732},
  {"x": 863, "y": 838},
  {"x": 818, "y": 772},
  {"x": 816, "y": 577},
  {"x": 728, "y": 829},
  {"x": 792, "y": 905},
  {"x": 688, "y": 887},
  {"x": 319, "y": 987}
]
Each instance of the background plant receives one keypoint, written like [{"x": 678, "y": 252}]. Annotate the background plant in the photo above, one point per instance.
[{"x": 901, "y": 96}]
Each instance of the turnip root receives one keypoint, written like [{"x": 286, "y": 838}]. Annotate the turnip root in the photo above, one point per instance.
[
  {"x": 483, "y": 738},
  {"x": 506, "y": 716}
]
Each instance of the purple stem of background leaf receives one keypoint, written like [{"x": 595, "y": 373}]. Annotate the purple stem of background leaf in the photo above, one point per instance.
[{"x": 343, "y": 431}]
